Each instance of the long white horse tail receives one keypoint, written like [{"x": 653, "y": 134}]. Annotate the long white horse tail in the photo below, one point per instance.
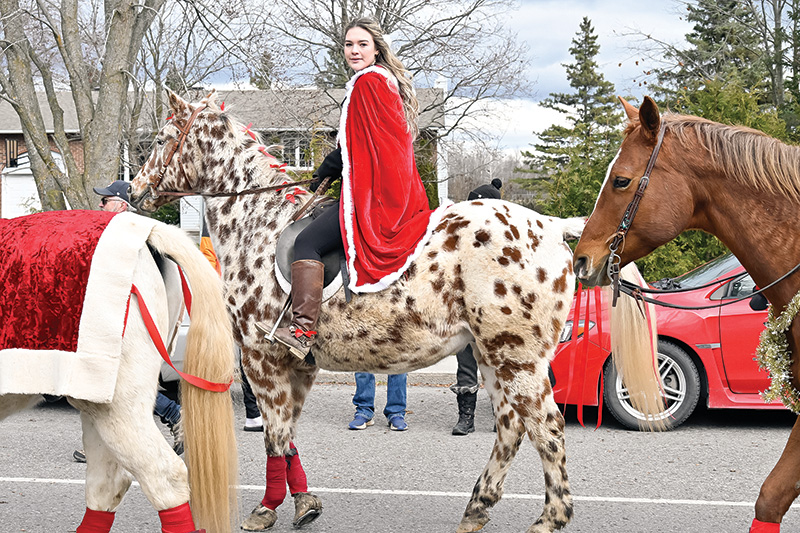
[
  {"x": 210, "y": 442},
  {"x": 634, "y": 345}
]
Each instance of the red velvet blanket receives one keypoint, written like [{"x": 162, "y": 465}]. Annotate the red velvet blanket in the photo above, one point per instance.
[
  {"x": 66, "y": 278},
  {"x": 45, "y": 266}
]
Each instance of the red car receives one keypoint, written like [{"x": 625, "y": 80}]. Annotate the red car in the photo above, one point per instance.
[{"x": 703, "y": 355}]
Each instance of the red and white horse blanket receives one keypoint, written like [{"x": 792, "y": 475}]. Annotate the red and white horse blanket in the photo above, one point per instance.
[{"x": 67, "y": 279}]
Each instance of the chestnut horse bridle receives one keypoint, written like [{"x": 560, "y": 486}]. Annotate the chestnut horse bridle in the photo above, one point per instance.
[{"x": 618, "y": 239}]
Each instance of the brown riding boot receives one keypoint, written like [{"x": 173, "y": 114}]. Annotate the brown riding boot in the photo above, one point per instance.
[{"x": 307, "y": 280}]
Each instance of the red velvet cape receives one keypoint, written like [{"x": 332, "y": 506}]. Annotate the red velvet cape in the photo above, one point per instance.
[{"x": 384, "y": 215}]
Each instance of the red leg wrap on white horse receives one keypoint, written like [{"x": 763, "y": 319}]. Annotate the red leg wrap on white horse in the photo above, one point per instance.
[
  {"x": 276, "y": 482},
  {"x": 96, "y": 522},
  {"x": 177, "y": 520},
  {"x": 295, "y": 475},
  {"x": 764, "y": 527}
]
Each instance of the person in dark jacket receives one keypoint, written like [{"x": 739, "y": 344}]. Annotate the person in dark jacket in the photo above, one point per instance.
[{"x": 466, "y": 386}]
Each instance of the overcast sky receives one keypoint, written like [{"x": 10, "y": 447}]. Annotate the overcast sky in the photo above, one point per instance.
[{"x": 548, "y": 26}]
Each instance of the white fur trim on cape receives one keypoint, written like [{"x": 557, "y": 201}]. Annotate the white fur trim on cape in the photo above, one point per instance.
[
  {"x": 347, "y": 198},
  {"x": 90, "y": 372}
]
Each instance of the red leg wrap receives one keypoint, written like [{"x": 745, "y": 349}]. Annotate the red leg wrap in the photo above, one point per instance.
[
  {"x": 96, "y": 522},
  {"x": 177, "y": 520},
  {"x": 764, "y": 527},
  {"x": 276, "y": 482},
  {"x": 295, "y": 475}
]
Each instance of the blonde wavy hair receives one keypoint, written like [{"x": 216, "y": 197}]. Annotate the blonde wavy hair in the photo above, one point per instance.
[{"x": 387, "y": 59}]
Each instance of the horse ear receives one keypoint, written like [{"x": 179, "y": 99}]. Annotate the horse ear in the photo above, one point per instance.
[
  {"x": 176, "y": 103},
  {"x": 631, "y": 111},
  {"x": 211, "y": 99},
  {"x": 649, "y": 117}
]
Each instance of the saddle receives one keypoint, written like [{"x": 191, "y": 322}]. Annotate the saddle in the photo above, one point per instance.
[{"x": 335, "y": 266}]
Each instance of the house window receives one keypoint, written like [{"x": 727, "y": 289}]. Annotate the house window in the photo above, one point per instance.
[
  {"x": 297, "y": 152},
  {"x": 12, "y": 153}
]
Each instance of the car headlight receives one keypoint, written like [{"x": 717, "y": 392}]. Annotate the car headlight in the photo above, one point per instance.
[{"x": 566, "y": 333}]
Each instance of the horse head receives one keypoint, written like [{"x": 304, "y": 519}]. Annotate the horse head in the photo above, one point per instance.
[
  {"x": 643, "y": 202},
  {"x": 177, "y": 151}
]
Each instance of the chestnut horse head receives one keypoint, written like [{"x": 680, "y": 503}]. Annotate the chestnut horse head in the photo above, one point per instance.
[{"x": 665, "y": 208}]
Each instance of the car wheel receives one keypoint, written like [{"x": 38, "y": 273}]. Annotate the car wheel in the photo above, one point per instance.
[{"x": 681, "y": 382}]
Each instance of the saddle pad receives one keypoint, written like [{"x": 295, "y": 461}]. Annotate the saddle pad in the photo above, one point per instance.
[{"x": 66, "y": 279}]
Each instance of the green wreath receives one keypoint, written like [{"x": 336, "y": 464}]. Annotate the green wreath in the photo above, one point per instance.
[{"x": 773, "y": 356}]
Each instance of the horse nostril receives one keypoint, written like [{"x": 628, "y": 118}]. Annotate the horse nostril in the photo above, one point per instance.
[{"x": 580, "y": 266}]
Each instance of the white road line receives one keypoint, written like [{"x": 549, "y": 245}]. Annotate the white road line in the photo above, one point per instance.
[{"x": 602, "y": 499}]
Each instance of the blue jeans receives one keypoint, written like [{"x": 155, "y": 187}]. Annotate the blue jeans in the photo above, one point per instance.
[
  {"x": 364, "y": 399},
  {"x": 169, "y": 411}
]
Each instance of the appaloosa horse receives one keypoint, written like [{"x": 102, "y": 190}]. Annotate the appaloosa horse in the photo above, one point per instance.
[
  {"x": 493, "y": 273},
  {"x": 733, "y": 182},
  {"x": 74, "y": 322}
]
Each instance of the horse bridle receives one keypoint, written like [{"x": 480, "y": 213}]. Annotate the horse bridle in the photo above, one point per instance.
[
  {"x": 177, "y": 148},
  {"x": 618, "y": 239}
]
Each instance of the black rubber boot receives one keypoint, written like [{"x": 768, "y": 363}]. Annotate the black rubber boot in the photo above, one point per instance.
[{"x": 466, "y": 413}]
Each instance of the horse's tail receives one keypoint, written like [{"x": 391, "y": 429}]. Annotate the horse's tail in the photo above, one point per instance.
[
  {"x": 634, "y": 345},
  {"x": 207, "y": 416},
  {"x": 572, "y": 227}
]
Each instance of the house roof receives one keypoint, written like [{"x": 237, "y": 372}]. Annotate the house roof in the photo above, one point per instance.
[{"x": 298, "y": 109}]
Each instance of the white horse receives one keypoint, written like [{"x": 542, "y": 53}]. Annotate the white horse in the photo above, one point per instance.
[{"x": 120, "y": 437}]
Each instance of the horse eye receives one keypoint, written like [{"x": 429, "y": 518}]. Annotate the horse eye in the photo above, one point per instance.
[
  {"x": 621, "y": 183},
  {"x": 160, "y": 142}
]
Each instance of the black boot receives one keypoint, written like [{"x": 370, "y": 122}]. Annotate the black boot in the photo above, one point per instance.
[{"x": 466, "y": 413}]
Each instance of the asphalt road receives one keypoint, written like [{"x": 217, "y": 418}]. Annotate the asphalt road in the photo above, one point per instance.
[{"x": 703, "y": 477}]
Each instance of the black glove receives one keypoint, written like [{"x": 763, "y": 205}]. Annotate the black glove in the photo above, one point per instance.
[{"x": 331, "y": 167}]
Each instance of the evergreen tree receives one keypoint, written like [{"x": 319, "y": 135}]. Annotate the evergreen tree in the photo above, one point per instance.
[
  {"x": 569, "y": 163},
  {"x": 723, "y": 43}
]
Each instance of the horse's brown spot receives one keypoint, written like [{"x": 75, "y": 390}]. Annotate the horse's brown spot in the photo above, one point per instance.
[
  {"x": 451, "y": 243},
  {"x": 500, "y": 288},
  {"x": 512, "y": 253},
  {"x": 457, "y": 225},
  {"x": 438, "y": 284},
  {"x": 434, "y": 267},
  {"x": 537, "y": 331},
  {"x": 503, "y": 261},
  {"x": 505, "y": 310},
  {"x": 541, "y": 274},
  {"x": 560, "y": 284},
  {"x": 481, "y": 237},
  {"x": 514, "y": 231},
  {"x": 502, "y": 218}
]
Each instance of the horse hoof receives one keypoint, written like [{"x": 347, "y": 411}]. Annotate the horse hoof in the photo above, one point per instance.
[
  {"x": 307, "y": 508},
  {"x": 468, "y": 526},
  {"x": 261, "y": 519}
]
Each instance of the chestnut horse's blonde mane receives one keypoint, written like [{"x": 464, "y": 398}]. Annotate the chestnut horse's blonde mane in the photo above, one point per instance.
[{"x": 751, "y": 157}]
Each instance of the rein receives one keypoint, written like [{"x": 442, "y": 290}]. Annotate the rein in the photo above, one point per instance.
[
  {"x": 618, "y": 239},
  {"x": 634, "y": 291},
  {"x": 255, "y": 190}
]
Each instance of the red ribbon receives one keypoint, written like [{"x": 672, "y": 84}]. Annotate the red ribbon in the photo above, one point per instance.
[
  {"x": 246, "y": 129},
  {"x": 159, "y": 342},
  {"x": 598, "y": 293},
  {"x": 281, "y": 167},
  {"x": 300, "y": 333},
  {"x": 292, "y": 196},
  {"x": 573, "y": 341},
  {"x": 222, "y": 107}
]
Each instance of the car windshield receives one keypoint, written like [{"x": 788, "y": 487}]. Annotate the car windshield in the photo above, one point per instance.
[{"x": 708, "y": 272}]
